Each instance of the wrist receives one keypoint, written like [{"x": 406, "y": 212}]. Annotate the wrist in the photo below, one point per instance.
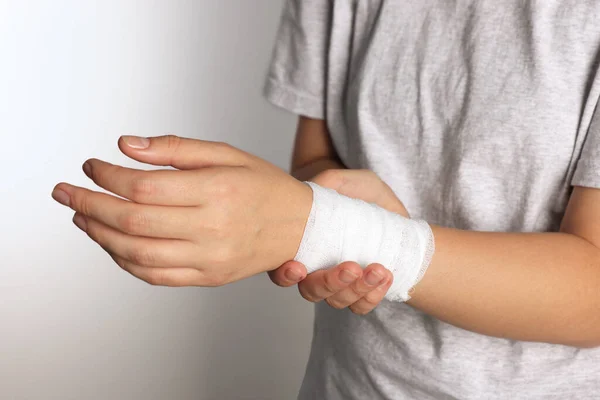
[
  {"x": 340, "y": 229},
  {"x": 296, "y": 215}
]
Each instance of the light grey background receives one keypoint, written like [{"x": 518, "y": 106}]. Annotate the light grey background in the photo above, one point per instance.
[{"x": 74, "y": 75}]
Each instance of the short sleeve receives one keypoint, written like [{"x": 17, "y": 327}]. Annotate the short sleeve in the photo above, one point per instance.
[
  {"x": 297, "y": 73},
  {"x": 587, "y": 172}
]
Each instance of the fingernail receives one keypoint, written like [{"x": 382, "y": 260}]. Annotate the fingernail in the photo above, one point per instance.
[
  {"x": 80, "y": 222},
  {"x": 373, "y": 278},
  {"x": 347, "y": 276},
  {"x": 136, "y": 142},
  {"x": 87, "y": 169},
  {"x": 292, "y": 275},
  {"x": 62, "y": 197}
]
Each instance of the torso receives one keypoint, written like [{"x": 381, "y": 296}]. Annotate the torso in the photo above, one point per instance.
[{"x": 475, "y": 113}]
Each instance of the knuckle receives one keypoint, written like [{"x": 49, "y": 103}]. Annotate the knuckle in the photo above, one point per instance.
[
  {"x": 220, "y": 227},
  {"x": 224, "y": 189},
  {"x": 142, "y": 189},
  {"x": 81, "y": 202},
  {"x": 371, "y": 299},
  {"x": 133, "y": 222},
  {"x": 307, "y": 294},
  {"x": 358, "y": 291},
  {"x": 335, "y": 304},
  {"x": 223, "y": 184},
  {"x": 223, "y": 146},
  {"x": 96, "y": 233},
  {"x": 216, "y": 281},
  {"x": 226, "y": 149},
  {"x": 360, "y": 311},
  {"x": 328, "y": 284},
  {"x": 156, "y": 277},
  {"x": 215, "y": 277},
  {"x": 223, "y": 255},
  {"x": 120, "y": 262},
  {"x": 142, "y": 256},
  {"x": 173, "y": 142},
  {"x": 279, "y": 280}
]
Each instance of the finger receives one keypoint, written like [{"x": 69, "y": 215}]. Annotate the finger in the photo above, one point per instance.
[
  {"x": 369, "y": 301},
  {"x": 322, "y": 284},
  {"x": 173, "y": 277},
  {"x": 182, "y": 153},
  {"x": 288, "y": 274},
  {"x": 146, "y": 252},
  {"x": 162, "y": 187},
  {"x": 126, "y": 216},
  {"x": 373, "y": 276}
]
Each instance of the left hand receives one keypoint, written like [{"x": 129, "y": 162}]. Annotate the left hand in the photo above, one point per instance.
[
  {"x": 223, "y": 216},
  {"x": 346, "y": 285}
]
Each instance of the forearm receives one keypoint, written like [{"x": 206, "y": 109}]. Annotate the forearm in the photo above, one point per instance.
[
  {"x": 524, "y": 286},
  {"x": 308, "y": 171},
  {"x": 313, "y": 150}
]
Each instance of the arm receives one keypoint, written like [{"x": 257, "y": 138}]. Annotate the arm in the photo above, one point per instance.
[
  {"x": 537, "y": 287},
  {"x": 525, "y": 286},
  {"x": 313, "y": 150}
]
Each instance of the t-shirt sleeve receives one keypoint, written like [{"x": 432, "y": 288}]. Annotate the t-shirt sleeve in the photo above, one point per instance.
[
  {"x": 587, "y": 172},
  {"x": 296, "y": 76}
]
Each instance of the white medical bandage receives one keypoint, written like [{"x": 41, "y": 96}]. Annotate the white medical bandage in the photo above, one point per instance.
[{"x": 340, "y": 228}]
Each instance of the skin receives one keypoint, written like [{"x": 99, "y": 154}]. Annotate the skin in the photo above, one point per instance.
[
  {"x": 224, "y": 216},
  {"x": 541, "y": 287},
  {"x": 227, "y": 215},
  {"x": 347, "y": 285}
]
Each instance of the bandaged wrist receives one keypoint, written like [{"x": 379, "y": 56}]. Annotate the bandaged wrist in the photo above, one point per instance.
[{"x": 340, "y": 228}]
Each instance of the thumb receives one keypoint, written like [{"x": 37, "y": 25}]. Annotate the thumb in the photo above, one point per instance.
[{"x": 182, "y": 153}]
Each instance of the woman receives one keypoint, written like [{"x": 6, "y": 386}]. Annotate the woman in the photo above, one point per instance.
[{"x": 481, "y": 118}]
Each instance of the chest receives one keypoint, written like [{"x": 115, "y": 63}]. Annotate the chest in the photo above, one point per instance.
[{"x": 476, "y": 77}]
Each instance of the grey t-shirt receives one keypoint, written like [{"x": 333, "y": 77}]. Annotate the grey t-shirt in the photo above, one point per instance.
[{"x": 480, "y": 115}]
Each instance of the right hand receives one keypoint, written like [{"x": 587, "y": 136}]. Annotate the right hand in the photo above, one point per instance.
[
  {"x": 346, "y": 285},
  {"x": 223, "y": 216}
]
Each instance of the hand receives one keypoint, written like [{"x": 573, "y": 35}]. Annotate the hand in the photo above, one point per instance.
[
  {"x": 225, "y": 215},
  {"x": 346, "y": 285}
]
